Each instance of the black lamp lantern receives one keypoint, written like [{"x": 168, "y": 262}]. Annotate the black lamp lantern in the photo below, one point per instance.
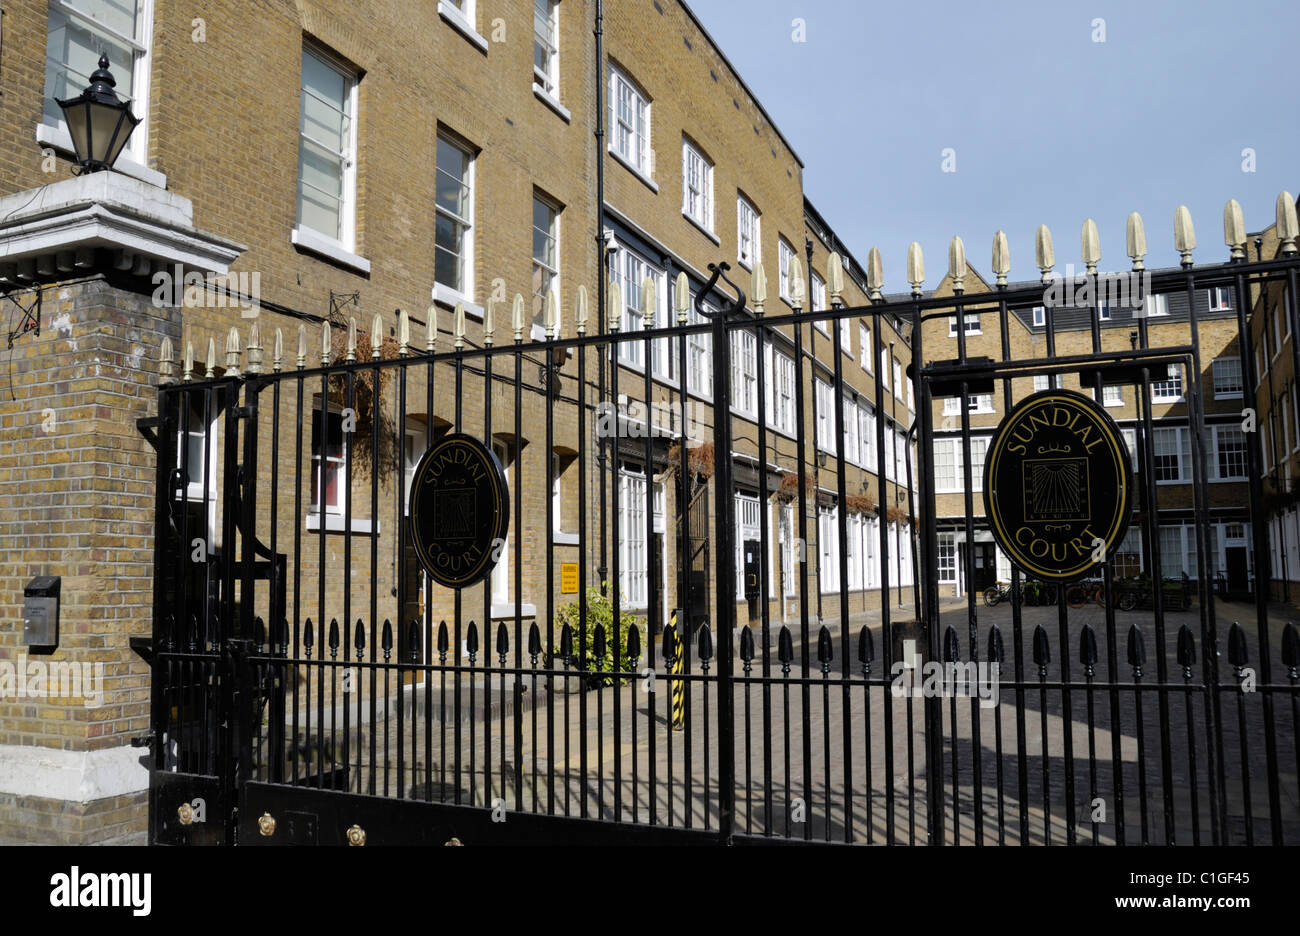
[{"x": 99, "y": 122}]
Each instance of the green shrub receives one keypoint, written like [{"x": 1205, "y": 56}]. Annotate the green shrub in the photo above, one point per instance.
[{"x": 600, "y": 611}]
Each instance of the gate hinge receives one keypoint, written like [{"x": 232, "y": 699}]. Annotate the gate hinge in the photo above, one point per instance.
[
  {"x": 146, "y": 425},
  {"x": 245, "y": 412}
]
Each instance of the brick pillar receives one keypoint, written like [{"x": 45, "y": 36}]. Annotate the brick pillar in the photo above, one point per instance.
[{"x": 77, "y": 483}]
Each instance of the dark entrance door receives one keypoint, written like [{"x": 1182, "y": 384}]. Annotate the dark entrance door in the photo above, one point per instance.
[
  {"x": 985, "y": 567},
  {"x": 1238, "y": 580}
]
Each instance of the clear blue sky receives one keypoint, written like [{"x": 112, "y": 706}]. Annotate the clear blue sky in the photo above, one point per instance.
[{"x": 1049, "y": 126}]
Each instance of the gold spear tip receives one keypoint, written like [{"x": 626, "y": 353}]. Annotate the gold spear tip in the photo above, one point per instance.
[
  {"x": 1184, "y": 233},
  {"x": 580, "y": 310},
  {"x": 1090, "y": 244},
  {"x": 1001, "y": 257},
  {"x": 1044, "y": 252},
  {"x": 915, "y": 266},
  {"x": 956, "y": 261}
]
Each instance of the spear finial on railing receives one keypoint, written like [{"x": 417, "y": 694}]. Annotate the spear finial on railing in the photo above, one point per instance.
[
  {"x": 431, "y": 329},
  {"x": 376, "y": 336},
  {"x": 835, "y": 279},
  {"x": 614, "y": 303},
  {"x": 682, "y": 297},
  {"x": 489, "y": 321},
  {"x": 277, "y": 351},
  {"x": 915, "y": 267},
  {"x": 794, "y": 276},
  {"x": 351, "y": 353},
  {"x": 254, "y": 348},
  {"x": 302, "y": 346},
  {"x": 648, "y": 303},
  {"x": 1044, "y": 253},
  {"x": 758, "y": 285},
  {"x": 517, "y": 317},
  {"x": 187, "y": 370},
  {"x": 403, "y": 333},
  {"x": 232, "y": 352},
  {"x": 1288, "y": 229},
  {"x": 1136, "y": 237},
  {"x": 1001, "y": 257},
  {"x": 875, "y": 275},
  {"x": 458, "y": 324},
  {"x": 326, "y": 346},
  {"x": 1184, "y": 234},
  {"x": 580, "y": 312},
  {"x": 165, "y": 358},
  {"x": 1090, "y": 245},
  {"x": 1234, "y": 230},
  {"x": 552, "y": 313},
  {"x": 211, "y": 361},
  {"x": 957, "y": 264}
]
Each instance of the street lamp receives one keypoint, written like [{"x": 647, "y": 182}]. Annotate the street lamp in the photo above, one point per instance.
[{"x": 99, "y": 122}]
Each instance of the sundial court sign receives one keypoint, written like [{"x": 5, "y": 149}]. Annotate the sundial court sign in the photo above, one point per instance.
[
  {"x": 1057, "y": 485},
  {"x": 460, "y": 510}
]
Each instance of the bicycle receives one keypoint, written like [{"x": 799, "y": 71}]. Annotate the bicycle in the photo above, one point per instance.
[
  {"x": 996, "y": 593},
  {"x": 1080, "y": 593},
  {"x": 1037, "y": 593}
]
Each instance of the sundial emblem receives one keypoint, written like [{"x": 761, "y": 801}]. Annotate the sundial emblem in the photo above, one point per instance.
[
  {"x": 1057, "y": 483},
  {"x": 460, "y": 510}
]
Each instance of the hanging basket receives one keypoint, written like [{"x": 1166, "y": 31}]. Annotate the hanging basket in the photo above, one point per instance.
[
  {"x": 699, "y": 459},
  {"x": 366, "y": 402}
]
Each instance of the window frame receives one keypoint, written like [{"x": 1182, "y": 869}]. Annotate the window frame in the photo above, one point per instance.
[
  {"x": 548, "y": 80},
  {"x": 705, "y": 192},
  {"x": 134, "y": 157},
  {"x": 970, "y": 317},
  {"x": 465, "y": 291},
  {"x": 641, "y": 160},
  {"x": 1214, "y": 378},
  {"x": 539, "y": 314},
  {"x": 743, "y": 348},
  {"x": 743, "y": 206},
  {"x": 1175, "y": 376},
  {"x": 785, "y": 253},
  {"x": 314, "y": 505},
  {"x": 345, "y": 236}
]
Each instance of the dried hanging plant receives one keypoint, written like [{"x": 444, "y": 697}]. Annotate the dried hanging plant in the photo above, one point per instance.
[
  {"x": 789, "y": 488},
  {"x": 366, "y": 402},
  {"x": 898, "y": 515},
  {"x": 699, "y": 458},
  {"x": 859, "y": 504}
]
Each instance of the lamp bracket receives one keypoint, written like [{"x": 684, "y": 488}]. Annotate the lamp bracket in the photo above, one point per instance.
[{"x": 31, "y": 320}]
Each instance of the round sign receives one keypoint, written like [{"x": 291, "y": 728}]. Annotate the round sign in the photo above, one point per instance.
[
  {"x": 460, "y": 510},
  {"x": 1056, "y": 485}
]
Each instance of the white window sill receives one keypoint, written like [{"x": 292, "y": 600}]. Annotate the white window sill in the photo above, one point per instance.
[
  {"x": 552, "y": 102},
  {"x": 456, "y": 20},
  {"x": 703, "y": 230},
  {"x": 446, "y": 296},
  {"x": 507, "y": 610},
  {"x": 1110, "y": 404},
  {"x": 1227, "y": 396},
  {"x": 1168, "y": 400},
  {"x": 60, "y": 140},
  {"x": 631, "y": 167},
  {"x": 564, "y": 539},
  {"x": 334, "y": 523},
  {"x": 307, "y": 239}
]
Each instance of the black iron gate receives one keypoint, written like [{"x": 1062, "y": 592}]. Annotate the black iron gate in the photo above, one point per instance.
[{"x": 296, "y": 698}]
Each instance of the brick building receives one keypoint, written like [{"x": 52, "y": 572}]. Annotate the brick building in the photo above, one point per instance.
[{"x": 310, "y": 171}]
